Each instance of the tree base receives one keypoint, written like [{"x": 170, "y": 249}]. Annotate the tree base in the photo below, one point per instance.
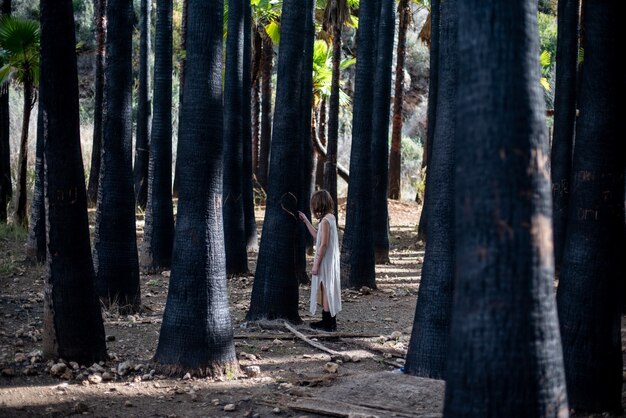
[{"x": 229, "y": 370}]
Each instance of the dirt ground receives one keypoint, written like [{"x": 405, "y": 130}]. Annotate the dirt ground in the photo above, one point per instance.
[{"x": 356, "y": 375}]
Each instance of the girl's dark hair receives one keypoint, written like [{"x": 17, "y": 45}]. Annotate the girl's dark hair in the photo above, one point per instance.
[{"x": 321, "y": 204}]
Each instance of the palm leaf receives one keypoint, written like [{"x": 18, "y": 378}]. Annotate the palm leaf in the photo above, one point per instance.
[
  {"x": 18, "y": 35},
  {"x": 545, "y": 59},
  {"x": 273, "y": 31}
]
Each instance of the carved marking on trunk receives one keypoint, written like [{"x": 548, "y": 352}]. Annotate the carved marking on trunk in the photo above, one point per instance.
[
  {"x": 541, "y": 232},
  {"x": 587, "y": 214}
]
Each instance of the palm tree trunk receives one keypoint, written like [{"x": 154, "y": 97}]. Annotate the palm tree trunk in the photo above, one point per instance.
[
  {"x": 380, "y": 132},
  {"x": 5, "y": 150},
  {"x": 321, "y": 133},
  {"x": 233, "y": 213},
  {"x": 115, "y": 241},
  {"x": 266, "y": 111},
  {"x": 395, "y": 155},
  {"x": 357, "y": 251},
  {"x": 564, "y": 120},
  {"x": 504, "y": 332},
  {"x": 256, "y": 99},
  {"x": 330, "y": 166},
  {"x": 593, "y": 266},
  {"x": 181, "y": 83},
  {"x": 36, "y": 241},
  {"x": 158, "y": 238},
  {"x": 275, "y": 290},
  {"x": 196, "y": 334},
  {"x": 142, "y": 150},
  {"x": 96, "y": 158},
  {"x": 73, "y": 326},
  {"x": 428, "y": 346},
  {"x": 20, "y": 201}
]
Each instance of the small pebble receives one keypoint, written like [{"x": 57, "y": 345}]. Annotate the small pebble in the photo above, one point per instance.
[{"x": 229, "y": 407}]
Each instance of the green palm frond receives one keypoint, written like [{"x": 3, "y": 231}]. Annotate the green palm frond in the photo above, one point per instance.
[
  {"x": 545, "y": 58},
  {"x": 273, "y": 31},
  {"x": 19, "y": 50}
]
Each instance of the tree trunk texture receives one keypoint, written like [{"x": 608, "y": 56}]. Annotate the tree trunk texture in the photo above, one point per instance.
[
  {"x": 115, "y": 241},
  {"x": 330, "y": 164},
  {"x": 593, "y": 269},
  {"x": 564, "y": 120},
  {"x": 6, "y": 186},
  {"x": 96, "y": 150},
  {"x": 275, "y": 290},
  {"x": 158, "y": 238},
  {"x": 321, "y": 134},
  {"x": 257, "y": 46},
  {"x": 73, "y": 328},
  {"x": 196, "y": 334},
  {"x": 181, "y": 83},
  {"x": 395, "y": 154},
  {"x": 428, "y": 346},
  {"x": 304, "y": 130},
  {"x": 357, "y": 251},
  {"x": 380, "y": 132},
  {"x": 234, "y": 96},
  {"x": 266, "y": 111},
  {"x": 433, "y": 86},
  {"x": 142, "y": 139},
  {"x": 252, "y": 238},
  {"x": 505, "y": 353},
  {"x": 21, "y": 195},
  {"x": 36, "y": 241}
]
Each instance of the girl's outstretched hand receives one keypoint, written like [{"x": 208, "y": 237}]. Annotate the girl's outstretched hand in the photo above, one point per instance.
[{"x": 302, "y": 216}]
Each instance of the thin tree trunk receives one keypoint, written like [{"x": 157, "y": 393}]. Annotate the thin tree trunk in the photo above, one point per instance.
[
  {"x": 330, "y": 165},
  {"x": 36, "y": 241},
  {"x": 357, "y": 251},
  {"x": 256, "y": 99},
  {"x": 158, "y": 238},
  {"x": 20, "y": 201},
  {"x": 593, "y": 266},
  {"x": 142, "y": 139},
  {"x": 6, "y": 187},
  {"x": 395, "y": 155},
  {"x": 181, "y": 84},
  {"x": 505, "y": 351},
  {"x": 73, "y": 328},
  {"x": 564, "y": 120},
  {"x": 99, "y": 106},
  {"x": 321, "y": 134},
  {"x": 266, "y": 111}
]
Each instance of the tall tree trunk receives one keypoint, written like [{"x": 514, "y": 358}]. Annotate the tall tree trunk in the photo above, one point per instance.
[
  {"x": 257, "y": 48},
  {"x": 275, "y": 290},
  {"x": 380, "y": 132},
  {"x": 266, "y": 111},
  {"x": 433, "y": 86},
  {"x": 357, "y": 251},
  {"x": 196, "y": 334},
  {"x": 593, "y": 269},
  {"x": 428, "y": 347},
  {"x": 96, "y": 150},
  {"x": 36, "y": 241},
  {"x": 142, "y": 140},
  {"x": 181, "y": 83},
  {"x": 330, "y": 166},
  {"x": 73, "y": 326},
  {"x": 505, "y": 353},
  {"x": 564, "y": 120},
  {"x": 234, "y": 221},
  {"x": 304, "y": 131},
  {"x": 252, "y": 239},
  {"x": 321, "y": 133},
  {"x": 158, "y": 238},
  {"x": 21, "y": 198},
  {"x": 115, "y": 240},
  {"x": 395, "y": 155},
  {"x": 6, "y": 187}
]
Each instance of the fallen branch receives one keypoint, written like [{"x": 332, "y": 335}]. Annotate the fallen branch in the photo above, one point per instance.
[
  {"x": 341, "y": 171},
  {"x": 309, "y": 341},
  {"x": 326, "y": 336}
]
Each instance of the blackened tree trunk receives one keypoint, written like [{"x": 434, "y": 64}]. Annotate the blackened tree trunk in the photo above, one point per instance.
[
  {"x": 73, "y": 326},
  {"x": 36, "y": 241},
  {"x": 433, "y": 86},
  {"x": 181, "y": 83},
  {"x": 395, "y": 154},
  {"x": 196, "y": 334},
  {"x": 357, "y": 251},
  {"x": 252, "y": 239},
  {"x": 158, "y": 238},
  {"x": 505, "y": 352},
  {"x": 428, "y": 346},
  {"x": 304, "y": 131},
  {"x": 5, "y": 151},
  {"x": 380, "y": 132},
  {"x": 96, "y": 158},
  {"x": 266, "y": 111},
  {"x": 593, "y": 269},
  {"x": 275, "y": 290},
  {"x": 21, "y": 195},
  {"x": 234, "y": 220},
  {"x": 564, "y": 120},
  {"x": 115, "y": 239},
  {"x": 142, "y": 139}
]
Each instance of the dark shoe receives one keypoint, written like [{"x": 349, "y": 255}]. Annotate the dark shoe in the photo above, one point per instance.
[
  {"x": 333, "y": 323},
  {"x": 319, "y": 324},
  {"x": 328, "y": 323}
]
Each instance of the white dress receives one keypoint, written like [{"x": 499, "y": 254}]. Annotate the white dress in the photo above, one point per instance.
[{"x": 328, "y": 272}]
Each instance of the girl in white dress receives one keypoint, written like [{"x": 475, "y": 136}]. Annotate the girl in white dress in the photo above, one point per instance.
[{"x": 325, "y": 271}]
